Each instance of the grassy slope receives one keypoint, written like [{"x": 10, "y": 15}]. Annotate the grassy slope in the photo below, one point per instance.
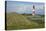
[{"x": 17, "y": 21}]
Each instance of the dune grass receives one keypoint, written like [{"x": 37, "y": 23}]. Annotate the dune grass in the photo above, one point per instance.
[{"x": 19, "y": 21}]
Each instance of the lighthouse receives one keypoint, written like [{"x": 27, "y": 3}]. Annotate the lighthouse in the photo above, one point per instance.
[{"x": 33, "y": 11}]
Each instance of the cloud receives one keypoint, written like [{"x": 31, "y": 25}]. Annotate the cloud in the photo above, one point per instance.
[{"x": 24, "y": 7}]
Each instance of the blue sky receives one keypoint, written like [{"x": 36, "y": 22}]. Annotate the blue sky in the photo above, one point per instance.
[{"x": 25, "y": 7}]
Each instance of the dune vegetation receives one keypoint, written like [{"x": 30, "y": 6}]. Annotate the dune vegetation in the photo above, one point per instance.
[{"x": 20, "y": 21}]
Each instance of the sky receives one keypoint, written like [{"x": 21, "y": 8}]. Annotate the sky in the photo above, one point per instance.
[{"x": 25, "y": 7}]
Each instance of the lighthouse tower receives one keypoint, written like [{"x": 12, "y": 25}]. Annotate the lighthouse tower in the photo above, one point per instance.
[{"x": 33, "y": 11}]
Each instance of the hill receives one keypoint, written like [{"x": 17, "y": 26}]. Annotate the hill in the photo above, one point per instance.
[{"x": 19, "y": 21}]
